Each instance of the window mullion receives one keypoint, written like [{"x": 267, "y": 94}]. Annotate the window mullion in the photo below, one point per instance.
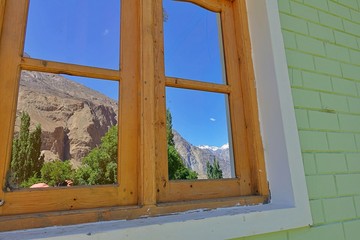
[{"x": 10, "y": 50}]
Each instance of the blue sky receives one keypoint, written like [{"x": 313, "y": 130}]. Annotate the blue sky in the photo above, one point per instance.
[{"x": 86, "y": 32}]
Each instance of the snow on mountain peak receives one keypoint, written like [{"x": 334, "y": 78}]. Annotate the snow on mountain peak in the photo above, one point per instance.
[{"x": 214, "y": 148}]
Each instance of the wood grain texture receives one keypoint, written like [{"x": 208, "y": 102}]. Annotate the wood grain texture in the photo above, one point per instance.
[
  {"x": 2, "y": 10},
  {"x": 32, "y": 64},
  {"x": 211, "y": 5},
  {"x": 9, "y": 223},
  {"x": 197, "y": 85},
  {"x": 148, "y": 134},
  {"x": 10, "y": 57},
  {"x": 243, "y": 47}
]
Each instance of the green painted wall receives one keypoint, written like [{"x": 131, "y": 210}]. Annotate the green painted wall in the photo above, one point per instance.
[{"x": 322, "y": 40}]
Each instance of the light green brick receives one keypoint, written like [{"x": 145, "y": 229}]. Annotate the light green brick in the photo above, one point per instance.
[
  {"x": 353, "y": 162},
  {"x": 293, "y": 24},
  {"x": 348, "y": 184},
  {"x": 300, "y": 60},
  {"x": 323, "y": 120},
  {"x": 309, "y": 164},
  {"x": 334, "y": 102},
  {"x": 339, "y": 209},
  {"x": 344, "y": 86},
  {"x": 331, "y": 163},
  {"x": 357, "y": 137},
  {"x": 339, "y": 10},
  {"x": 305, "y": 98},
  {"x": 303, "y": 11},
  {"x": 289, "y": 39},
  {"x": 349, "y": 123},
  {"x": 322, "y": 186},
  {"x": 349, "y": 3},
  {"x": 317, "y": 212},
  {"x": 284, "y": 5},
  {"x": 355, "y": 15},
  {"x": 341, "y": 142},
  {"x": 311, "y": 45},
  {"x": 357, "y": 205},
  {"x": 321, "y": 32},
  {"x": 320, "y": 4},
  {"x": 302, "y": 118},
  {"x": 317, "y": 81},
  {"x": 331, "y": 21},
  {"x": 324, "y": 65},
  {"x": 327, "y": 232},
  {"x": 355, "y": 56},
  {"x": 296, "y": 77},
  {"x": 311, "y": 141},
  {"x": 270, "y": 236},
  {"x": 354, "y": 105},
  {"x": 337, "y": 52},
  {"x": 352, "y": 230},
  {"x": 351, "y": 71},
  {"x": 345, "y": 39},
  {"x": 352, "y": 28}
]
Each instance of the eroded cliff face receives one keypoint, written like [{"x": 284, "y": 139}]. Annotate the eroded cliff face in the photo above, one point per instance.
[
  {"x": 196, "y": 157},
  {"x": 73, "y": 117}
]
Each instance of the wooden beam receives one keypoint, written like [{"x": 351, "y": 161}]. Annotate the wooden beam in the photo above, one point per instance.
[
  {"x": 32, "y": 64},
  {"x": 11, "y": 45},
  {"x": 148, "y": 134},
  {"x": 212, "y": 5},
  {"x": 2, "y": 11},
  {"x": 197, "y": 85}
]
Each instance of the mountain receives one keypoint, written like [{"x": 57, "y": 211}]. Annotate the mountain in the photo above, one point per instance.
[
  {"x": 73, "y": 117},
  {"x": 196, "y": 157}
]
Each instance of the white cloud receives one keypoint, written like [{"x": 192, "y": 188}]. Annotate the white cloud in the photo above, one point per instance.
[
  {"x": 212, "y": 119},
  {"x": 106, "y": 32}
]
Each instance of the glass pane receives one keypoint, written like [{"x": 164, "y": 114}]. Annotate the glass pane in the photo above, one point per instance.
[
  {"x": 85, "y": 32},
  {"x": 65, "y": 133},
  {"x": 193, "y": 45},
  {"x": 198, "y": 133}
]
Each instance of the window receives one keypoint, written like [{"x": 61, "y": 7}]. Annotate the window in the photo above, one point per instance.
[
  {"x": 225, "y": 79},
  {"x": 122, "y": 72},
  {"x": 143, "y": 187}
]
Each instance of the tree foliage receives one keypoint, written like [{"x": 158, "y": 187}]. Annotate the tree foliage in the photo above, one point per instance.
[
  {"x": 26, "y": 159},
  {"x": 100, "y": 165},
  {"x": 177, "y": 169},
  {"x": 213, "y": 171},
  {"x": 55, "y": 173}
]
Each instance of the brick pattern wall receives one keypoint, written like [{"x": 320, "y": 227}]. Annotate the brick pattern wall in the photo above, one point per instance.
[{"x": 322, "y": 41}]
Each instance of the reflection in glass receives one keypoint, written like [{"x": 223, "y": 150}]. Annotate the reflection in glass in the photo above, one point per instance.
[
  {"x": 200, "y": 132},
  {"x": 65, "y": 133},
  {"x": 193, "y": 43},
  {"x": 85, "y": 32}
]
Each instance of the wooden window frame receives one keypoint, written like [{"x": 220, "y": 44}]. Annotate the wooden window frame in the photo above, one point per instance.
[
  {"x": 12, "y": 62},
  {"x": 250, "y": 174},
  {"x": 143, "y": 161}
]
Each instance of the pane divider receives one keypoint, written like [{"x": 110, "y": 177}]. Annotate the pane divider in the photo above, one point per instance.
[
  {"x": 197, "y": 85},
  {"x": 70, "y": 69}
]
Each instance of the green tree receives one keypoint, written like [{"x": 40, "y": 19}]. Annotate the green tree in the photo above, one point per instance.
[
  {"x": 26, "y": 159},
  {"x": 177, "y": 169},
  {"x": 100, "y": 165},
  {"x": 55, "y": 173},
  {"x": 213, "y": 171}
]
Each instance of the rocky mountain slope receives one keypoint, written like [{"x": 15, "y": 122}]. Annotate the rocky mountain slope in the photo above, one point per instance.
[
  {"x": 196, "y": 157},
  {"x": 74, "y": 118}
]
